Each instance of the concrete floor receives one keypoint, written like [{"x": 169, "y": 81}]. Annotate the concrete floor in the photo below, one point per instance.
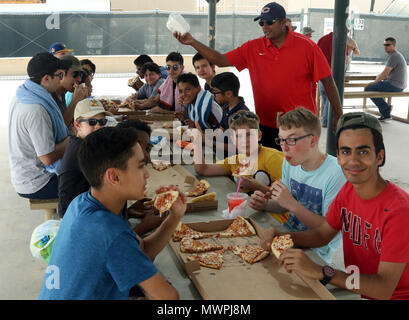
[{"x": 21, "y": 274}]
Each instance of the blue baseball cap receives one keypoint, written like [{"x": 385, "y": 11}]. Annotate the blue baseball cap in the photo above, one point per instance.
[
  {"x": 271, "y": 11},
  {"x": 59, "y": 47}
]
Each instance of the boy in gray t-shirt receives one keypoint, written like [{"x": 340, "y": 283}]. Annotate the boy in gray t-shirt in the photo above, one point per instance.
[{"x": 392, "y": 79}]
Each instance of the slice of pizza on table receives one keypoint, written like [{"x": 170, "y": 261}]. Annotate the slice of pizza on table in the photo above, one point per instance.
[
  {"x": 212, "y": 259},
  {"x": 182, "y": 231},
  {"x": 281, "y": 243},
  {"x": 160, "y": 165},
  {"x": 249, "y": 253},
  {"x": 240, "y": 227},
  {"x": 199, "y": 189},
  {"x": 189, "y": 245}
]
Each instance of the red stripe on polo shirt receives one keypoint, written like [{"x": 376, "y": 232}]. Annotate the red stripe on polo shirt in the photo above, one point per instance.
[{"x": 282, "y": 78}]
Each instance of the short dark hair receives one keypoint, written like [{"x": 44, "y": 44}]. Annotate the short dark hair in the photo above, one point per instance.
[
  {"x": 137, "y": 124},
  {"x": 198, "y": 57},
  {"x": 377, "y": 139},
  {"x": 189, "y": 78},
  {"x": 226, "y": 81},
  {"x": 142, "y": 59},
  {"x": 175, "y": 56},
  {"x": 88, "y": 63},
  {"x": 390, "y": 39},
  {"x": 109, "y": 147},
  {"x": 151, "y": 66}
]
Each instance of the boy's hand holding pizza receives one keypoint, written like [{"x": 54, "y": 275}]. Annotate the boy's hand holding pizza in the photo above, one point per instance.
[{"x": 169, "y": 198}]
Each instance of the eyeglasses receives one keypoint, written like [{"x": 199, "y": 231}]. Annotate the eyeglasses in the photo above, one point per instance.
[
  {"x": 78, "y": 73},
  {"x": 175, "y": 67},
  {"x": 268, "y": 22},
  {"x": 238, "y": 115},
  {"x": 59, "y": 75},
  {"x": 218, "y": 92},
  {"x": 387, "y": 44},
  {"x": 93, "y": 122},
  {"x": 290, "y": 141}
]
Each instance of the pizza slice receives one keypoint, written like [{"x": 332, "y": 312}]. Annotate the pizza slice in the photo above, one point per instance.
[
  {"x": 189, "y": 245},
  {"x": 240, "y": 227},
  {"x": 212, "y": 260},
  {"x": 200, "y": 189},
  {"x": 183, "y": 231},
  {"x": 160, "y": 165},
  {"x": 164, "y": 201},
  {"x": 249, "y": 253},
  {"x": 243, "y": 166},
  {"x": 280, "y": 243},
  {"x": 206, "y": 197}
]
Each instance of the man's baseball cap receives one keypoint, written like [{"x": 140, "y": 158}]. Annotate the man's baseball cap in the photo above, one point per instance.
[
  {"x": 88, "y": 108},
  {"x": 59, "y": 47},
  {"x": 45, "y": 63},
  {"x": 75, "y": 63},
  {"x": 358, "y": 119},
  {"x": 307, "y": 30},
  {"x": 271, "y": 11}
]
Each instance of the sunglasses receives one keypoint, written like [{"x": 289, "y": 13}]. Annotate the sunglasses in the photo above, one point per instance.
[
  {"x": 249, "y": 115},
  {"x": 59, "y": 75},
  {"x": 268, "y": 22},
  {"x": 93, "y": 122},
  {"x": 175, "y": 67},
  {"x": 217, "y": 92},
  {"x": 387, "y": 44}
]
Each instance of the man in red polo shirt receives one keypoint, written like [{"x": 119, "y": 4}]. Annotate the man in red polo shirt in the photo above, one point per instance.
[{"x": 284, "y": 68}]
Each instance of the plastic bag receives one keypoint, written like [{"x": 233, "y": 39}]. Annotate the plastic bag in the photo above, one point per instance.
[
  {"x": 42, "y": 239},
  {"x": 239, "y": 210},
  {"x": 177, "y": 23}
]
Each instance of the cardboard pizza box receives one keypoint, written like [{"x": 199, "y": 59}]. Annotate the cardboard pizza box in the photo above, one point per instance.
[
  {"x": 239, "y": 280},
  {"x": 152, "y": 116},
  {"x": 184, "y": 180}
]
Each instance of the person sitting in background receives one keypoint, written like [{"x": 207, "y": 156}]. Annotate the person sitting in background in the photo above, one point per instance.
[
  {"x": 89, "y": 116},
  {"x": 98, "y": 254},
  {"x": 200, "y": 105},
  {"x": 168, "y": 98},
  {"x": 204, "y": 69},
  {"x": 37, "y": 133},
  {"x": 70, "y": 82},
  {"x": 267, "y": 164},
  {"x": 89, "y": 68},
  {"x": 139, "y": 62},
  {"x": 146, "y": 97},
  {"x": 394, "y": 78},
  {"x": 59, "y": 49},
  {"x": 310, "y": 179},
  {"x": 226, "y": 88}
]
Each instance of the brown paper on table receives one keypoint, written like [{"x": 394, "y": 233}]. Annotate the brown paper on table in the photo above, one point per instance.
[
  {"x": 239, "y": 280},
  {"x": 184, "y": 180}
]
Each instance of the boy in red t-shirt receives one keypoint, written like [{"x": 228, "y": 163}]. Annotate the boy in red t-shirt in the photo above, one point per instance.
[{"x": 371, "y": 213}]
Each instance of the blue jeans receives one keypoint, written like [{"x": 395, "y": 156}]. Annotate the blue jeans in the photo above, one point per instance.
[
  {"x": 49, "y": 191},
  {"x": 382, "y": 86},
  {"x": 325, "y": 103}
]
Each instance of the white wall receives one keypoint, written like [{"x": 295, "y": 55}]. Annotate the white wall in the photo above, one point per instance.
[{"x": 58, "y": 6}]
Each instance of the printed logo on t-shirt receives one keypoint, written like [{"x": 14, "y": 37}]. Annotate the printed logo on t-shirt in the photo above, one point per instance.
[
  {"x": 309, "y": 197},
  {"x": 360, "y": 232}
]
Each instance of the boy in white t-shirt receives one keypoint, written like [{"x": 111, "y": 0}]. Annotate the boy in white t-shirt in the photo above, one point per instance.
[{"x": 310, "y": 179}]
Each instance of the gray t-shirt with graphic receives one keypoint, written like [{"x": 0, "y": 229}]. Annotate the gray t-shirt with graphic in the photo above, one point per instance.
[{"x": 399, "y": 74}]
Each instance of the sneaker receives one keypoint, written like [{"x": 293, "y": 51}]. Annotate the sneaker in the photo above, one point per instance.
[{"x": 382, "y": 118}]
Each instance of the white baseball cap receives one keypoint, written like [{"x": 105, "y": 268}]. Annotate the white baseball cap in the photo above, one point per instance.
[{"x": 88, "y": 108}]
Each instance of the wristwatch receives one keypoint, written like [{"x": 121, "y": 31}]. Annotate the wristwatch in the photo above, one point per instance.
[{"x": 328, "y": 273}]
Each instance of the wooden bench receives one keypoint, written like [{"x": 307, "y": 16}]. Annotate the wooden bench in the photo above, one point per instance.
[
  {"x": 48, "y": 205},
  {"x": 378, "y": 94}
]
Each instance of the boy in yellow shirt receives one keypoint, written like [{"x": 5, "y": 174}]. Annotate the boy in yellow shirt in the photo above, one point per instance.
[{"x": 267, "y": 161}]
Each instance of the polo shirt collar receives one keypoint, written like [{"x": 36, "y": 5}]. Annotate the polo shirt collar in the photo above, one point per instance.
[{"x": 287, "y": 43}]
